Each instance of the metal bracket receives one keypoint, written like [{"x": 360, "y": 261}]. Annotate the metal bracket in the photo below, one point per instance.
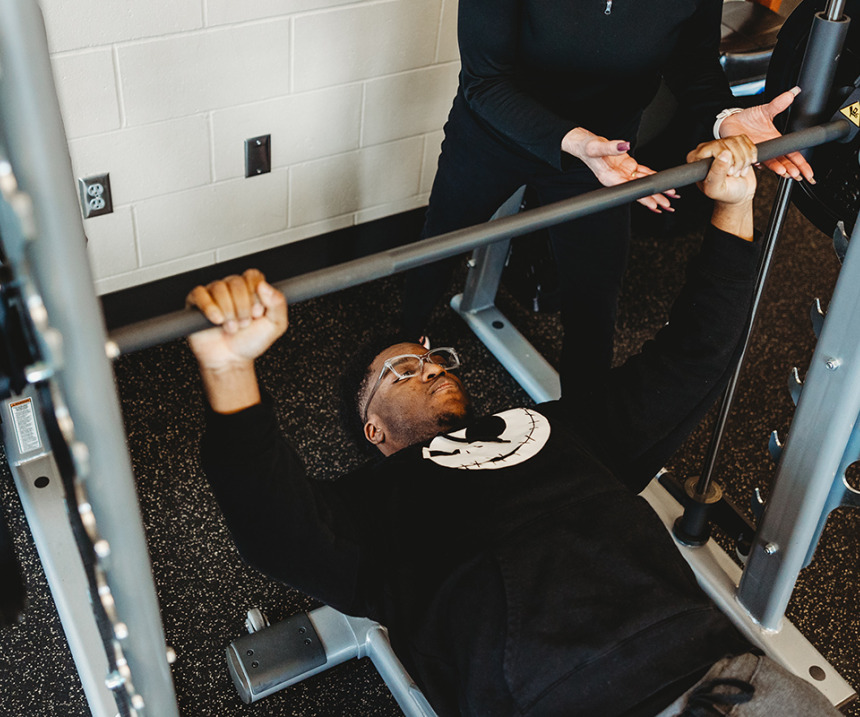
[
  {"x": 851, "y": 499},
  {"x": 477, "y": 308},
  {"x": 774, "y": 446},
  {"x": 795, "y": 385},
  {"x": 840, "y": 240},
  {"x": 816, "y": 316},
  {"x": 309, "y": 643}
]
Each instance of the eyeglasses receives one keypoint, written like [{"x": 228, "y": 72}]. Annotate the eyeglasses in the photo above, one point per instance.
[{"x": 409, "y": 365}]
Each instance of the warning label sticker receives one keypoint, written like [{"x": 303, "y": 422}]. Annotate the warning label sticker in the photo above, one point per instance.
[
  {"x": 26, "y": 429},
  {"x": 852, "y": 112}
]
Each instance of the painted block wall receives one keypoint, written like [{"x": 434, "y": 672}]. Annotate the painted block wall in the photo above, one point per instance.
[{"x": 162, "y": 94}]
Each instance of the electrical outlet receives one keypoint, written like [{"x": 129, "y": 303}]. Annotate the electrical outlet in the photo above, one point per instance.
[
  {"x": 95, "y": 195},
  {"x": 258, "y": 155}
]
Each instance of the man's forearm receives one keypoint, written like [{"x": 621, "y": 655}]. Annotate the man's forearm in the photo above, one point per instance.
[
  {"x": 735, "y": 219},
  {"x": 231, "y": 389}
]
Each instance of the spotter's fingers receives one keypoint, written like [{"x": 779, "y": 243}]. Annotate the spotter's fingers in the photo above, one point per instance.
[
  {"x": 600, "y": 147},
  {"x": 663, "y": 202},
  {"x": 805, "y": 168},
  {"x": 792, "y": 165},
  {"x": 657, "y": 203},
  {"x": 643, "y": 171},
  {"x": 777, "y": 167},
  {"x": 781, "y": 102}
]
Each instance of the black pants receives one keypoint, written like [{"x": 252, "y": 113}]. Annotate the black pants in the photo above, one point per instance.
[{"x": 477, "y": 173}]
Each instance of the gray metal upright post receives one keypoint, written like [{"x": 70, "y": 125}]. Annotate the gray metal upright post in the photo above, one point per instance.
[
  {"x": 797, "y": 510},
  {"x": 818, "y": 449},
  {"x": 477, "y": 307},
  {"x": 820, "y": 61},
  {"x": 57, "y": 266},
  {"x": 488, "y": 262}
]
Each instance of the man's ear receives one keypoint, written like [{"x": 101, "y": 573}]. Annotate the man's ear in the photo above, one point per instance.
[{"x": 374, "y": 433}]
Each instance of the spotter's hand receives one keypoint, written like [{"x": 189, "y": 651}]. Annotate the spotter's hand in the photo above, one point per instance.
[
  {"x": 611, "y": 164},
  {"x": 251, "y": 316},
  {"x": 757, "y": 124}
]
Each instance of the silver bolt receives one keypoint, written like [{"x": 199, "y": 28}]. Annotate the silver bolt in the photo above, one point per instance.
[
  {"x": 171, "y": 655},
  {"x": 38, "y": 371},
  {"x": 81, "y": 456},
  {"x": 832, "y": 364},
  {"x": 114, "y": 680},
  {"x": 471, "y": 263},
  {"x": 771, "y": 548},
  {"x": 102, "y": 549}
]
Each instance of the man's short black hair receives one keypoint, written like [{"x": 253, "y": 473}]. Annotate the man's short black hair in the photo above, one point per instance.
[{"x": 355, "y": 379}]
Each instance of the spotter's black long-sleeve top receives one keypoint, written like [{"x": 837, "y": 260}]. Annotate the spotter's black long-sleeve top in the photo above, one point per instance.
[
  {"x": 512, "y": 561},
  {"x": 532, "y": 70}
]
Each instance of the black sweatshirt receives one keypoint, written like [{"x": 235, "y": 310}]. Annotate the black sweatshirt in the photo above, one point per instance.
[
  {"x": 515, "y": 567},
  {"x": 532, "y": 70}
]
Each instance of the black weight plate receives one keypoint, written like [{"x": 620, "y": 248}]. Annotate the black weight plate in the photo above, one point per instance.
[
  {"x": 836, "y": 194},
  {"x": 12, "y": 596}
]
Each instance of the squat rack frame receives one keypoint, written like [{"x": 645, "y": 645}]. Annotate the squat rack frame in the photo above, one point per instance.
[{"x": 43, "y": 238}]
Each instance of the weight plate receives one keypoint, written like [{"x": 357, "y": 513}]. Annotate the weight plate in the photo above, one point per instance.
[
  {"x": 12, "y": 595},
  {"x": 836, "y": 194}
]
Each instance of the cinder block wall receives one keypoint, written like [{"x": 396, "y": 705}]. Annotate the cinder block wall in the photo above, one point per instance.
[{"x": 162, "y": 94}]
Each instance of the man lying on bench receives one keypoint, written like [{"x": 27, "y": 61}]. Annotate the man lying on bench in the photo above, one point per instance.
[{"x": 509, "y": 556}]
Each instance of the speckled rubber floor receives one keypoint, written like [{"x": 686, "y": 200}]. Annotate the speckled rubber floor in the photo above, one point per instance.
[{"x": 205, "y": 589}]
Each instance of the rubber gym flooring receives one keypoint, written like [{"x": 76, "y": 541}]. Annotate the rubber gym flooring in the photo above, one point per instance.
[{"x": 204, "y": 588}]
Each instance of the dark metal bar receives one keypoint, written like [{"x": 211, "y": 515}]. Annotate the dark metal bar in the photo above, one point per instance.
[
  {"x": 777, "y": 217},
  {"x": 818, "y": 70},
  {"x": 175, "y": 325}
]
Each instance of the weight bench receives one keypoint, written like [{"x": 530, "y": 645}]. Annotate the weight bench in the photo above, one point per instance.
[{"x": 271, "y": 658}]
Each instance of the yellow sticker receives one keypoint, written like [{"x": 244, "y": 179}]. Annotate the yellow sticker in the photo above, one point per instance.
[{"x": 852, "y": 112}]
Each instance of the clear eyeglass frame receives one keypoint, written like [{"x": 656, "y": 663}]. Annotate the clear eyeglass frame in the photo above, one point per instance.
[{"x": 402, "y": 368}]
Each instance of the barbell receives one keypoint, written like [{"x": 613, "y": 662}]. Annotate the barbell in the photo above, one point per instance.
[{"x": 167, "y": 327}]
